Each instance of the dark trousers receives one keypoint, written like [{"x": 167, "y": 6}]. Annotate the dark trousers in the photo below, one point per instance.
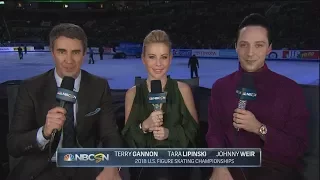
[
  {"x": 91, "y": 60},
  {"x": 194, "y": 70},
  {"x": 101, "y": 56},
  {"x": 20, "y": 55},
  {"x": 59, "y": 173},
  {"x": 158, "y": 173}
]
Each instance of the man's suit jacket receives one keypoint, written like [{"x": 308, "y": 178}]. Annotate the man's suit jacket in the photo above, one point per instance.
[{"x": 36, "y": 97}]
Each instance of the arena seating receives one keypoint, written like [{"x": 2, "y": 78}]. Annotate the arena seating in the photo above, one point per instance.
[{"x": 190, "y": 25}]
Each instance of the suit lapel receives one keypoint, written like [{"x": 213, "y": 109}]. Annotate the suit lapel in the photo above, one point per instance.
[
  {"x": 82, "y": 99},
  {"x": 49, "y": 95}
]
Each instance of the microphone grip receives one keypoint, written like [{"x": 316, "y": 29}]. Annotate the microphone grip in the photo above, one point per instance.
[
  {"x": 54, "y": 132},
  {"x": 156, "y": 107},
  {"x": 62, "y": 103},
  {"x": 242, "y": 105}
]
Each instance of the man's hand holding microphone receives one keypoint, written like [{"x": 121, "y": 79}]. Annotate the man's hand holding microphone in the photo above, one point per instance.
[
  {"x": 54, "y": 120},
  {"x": 57, "y": 116}
]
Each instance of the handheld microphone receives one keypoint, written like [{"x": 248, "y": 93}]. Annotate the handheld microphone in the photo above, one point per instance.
[
  {"x": 65, "y": 94},
  {"x": 246, "y": 91},
  {"x": 156, "y": 96}
]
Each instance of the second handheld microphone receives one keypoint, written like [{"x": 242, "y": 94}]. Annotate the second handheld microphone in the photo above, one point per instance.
[{"x": 156, "y": 96}]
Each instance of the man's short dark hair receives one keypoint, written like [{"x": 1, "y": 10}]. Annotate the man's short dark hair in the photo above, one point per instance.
[
  {"x": 68, "y": 30},
  {"x": 255, "y": 19}
]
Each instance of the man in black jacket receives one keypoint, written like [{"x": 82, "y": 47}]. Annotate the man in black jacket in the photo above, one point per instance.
[
  {"x": 194, "y": 63},
  {"x": 37, "y": 114}
]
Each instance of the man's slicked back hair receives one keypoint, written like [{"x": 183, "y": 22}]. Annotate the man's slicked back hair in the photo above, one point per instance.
[
  {"x": 255, "y": 19},
  {"x": 68, "y": 30}
]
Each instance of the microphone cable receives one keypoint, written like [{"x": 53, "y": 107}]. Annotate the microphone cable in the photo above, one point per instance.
[
  {"x": 49, "y": 159},
  {"x": 50, "y": 145},
  {"x": 51, "y": 141},
  {"x": 140, "y": 173}
]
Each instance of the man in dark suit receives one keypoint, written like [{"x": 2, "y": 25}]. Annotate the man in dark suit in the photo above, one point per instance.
[{"x": 37, "y": 113}]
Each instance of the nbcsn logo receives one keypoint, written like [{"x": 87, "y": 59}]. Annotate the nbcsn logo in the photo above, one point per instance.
[{"x": 86, "y": 157}]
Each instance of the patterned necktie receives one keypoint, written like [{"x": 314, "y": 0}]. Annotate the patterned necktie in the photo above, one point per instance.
[{"x": 69, "y": 134}]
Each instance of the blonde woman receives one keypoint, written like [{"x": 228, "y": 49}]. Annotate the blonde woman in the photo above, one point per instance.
[{"x": 175, "y": 126}]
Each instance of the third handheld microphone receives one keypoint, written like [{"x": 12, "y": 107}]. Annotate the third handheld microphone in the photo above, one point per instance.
[{"x": 246, "y": 91}]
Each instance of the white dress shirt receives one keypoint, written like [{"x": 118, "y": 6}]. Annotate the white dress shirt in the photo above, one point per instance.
[{"x": 42, "y": 142}]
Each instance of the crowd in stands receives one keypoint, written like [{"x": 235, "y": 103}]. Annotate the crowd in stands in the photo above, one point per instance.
[{"x": 190, "y": 25}]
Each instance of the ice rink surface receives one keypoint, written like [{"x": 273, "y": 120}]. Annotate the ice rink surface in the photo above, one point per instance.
[{"x": 121, "y": 72}]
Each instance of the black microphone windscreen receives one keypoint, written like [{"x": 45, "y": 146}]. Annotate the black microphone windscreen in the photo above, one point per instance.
[
  {"x": 68, "y": 83},
  {"x": 247, "y": 81},
  {"x": 156, "y": 86}
]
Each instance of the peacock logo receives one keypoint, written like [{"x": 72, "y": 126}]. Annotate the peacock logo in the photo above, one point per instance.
[{"x": 68, "y": 157}]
